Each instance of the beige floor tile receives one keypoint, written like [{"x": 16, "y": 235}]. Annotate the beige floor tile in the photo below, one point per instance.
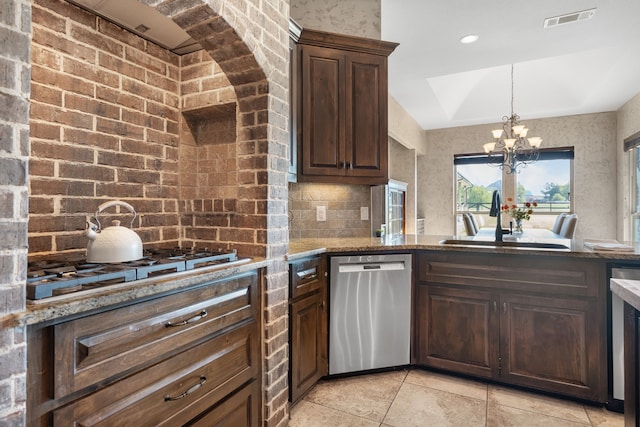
[
  {"x": 600, "y": 417},
  {"x": 366, "y": 396},
  {"x": 538, "y": 403},
  {"x": 461, "y": 386},
  {"x": 309, "y": 414},
  {"x": 506, "y": 416},
  {"x": 422, "y": 406}
]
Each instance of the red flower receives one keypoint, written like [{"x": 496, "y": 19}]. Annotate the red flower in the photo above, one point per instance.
[{"x": 521, "y": 213}]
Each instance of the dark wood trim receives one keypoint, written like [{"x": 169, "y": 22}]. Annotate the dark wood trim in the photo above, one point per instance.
[{"x": 345, "y": 42}]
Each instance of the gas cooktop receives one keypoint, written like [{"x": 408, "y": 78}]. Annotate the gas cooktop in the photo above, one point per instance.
[{"x": 48, "y": 278}]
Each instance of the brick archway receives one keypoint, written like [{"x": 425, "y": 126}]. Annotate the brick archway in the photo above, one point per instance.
[
  {"x": 253, "y": 53},
  {"x": 238, "y": 62}
]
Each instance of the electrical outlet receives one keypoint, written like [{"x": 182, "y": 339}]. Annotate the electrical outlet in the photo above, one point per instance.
[
  {"x": 321, "y": 213},
  {"x": 364, "y": 213}
]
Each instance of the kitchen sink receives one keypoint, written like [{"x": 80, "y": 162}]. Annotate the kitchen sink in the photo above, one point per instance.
[{"x": 508, "y": 244}]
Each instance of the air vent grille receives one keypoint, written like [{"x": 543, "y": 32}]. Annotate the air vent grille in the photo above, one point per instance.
[{"x": 569, "y": 18}]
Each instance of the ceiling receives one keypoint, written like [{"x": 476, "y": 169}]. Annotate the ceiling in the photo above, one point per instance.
[{"x": 581, "y": 67}]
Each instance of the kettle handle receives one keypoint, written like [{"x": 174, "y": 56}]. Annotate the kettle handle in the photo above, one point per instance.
[{"x": 106, "y": 205}]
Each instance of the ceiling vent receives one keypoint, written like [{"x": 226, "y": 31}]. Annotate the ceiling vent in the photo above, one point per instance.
[{"x": 569, "y": 18}]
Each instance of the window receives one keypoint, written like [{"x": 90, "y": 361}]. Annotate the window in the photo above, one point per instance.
[
  {"x": 633, "y": 144},
  {"x": 635, "y": 188},
  {"x": 547, "y": 182}
]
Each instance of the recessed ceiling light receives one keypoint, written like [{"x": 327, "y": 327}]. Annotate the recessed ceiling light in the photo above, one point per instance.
[{"x": 470, "y": 38}]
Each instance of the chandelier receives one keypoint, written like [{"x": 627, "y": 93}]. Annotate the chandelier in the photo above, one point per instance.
[{"x": 511, "y": 148}]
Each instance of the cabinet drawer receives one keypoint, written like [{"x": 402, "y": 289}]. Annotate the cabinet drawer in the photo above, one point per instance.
[
  {"x": 102, "y": 348},
  {"x": 175, "y": 391},
  {"x": 240, "y": 410},
  {"x": 559, "y": 275},
  {"x": 305, "y": 276}
]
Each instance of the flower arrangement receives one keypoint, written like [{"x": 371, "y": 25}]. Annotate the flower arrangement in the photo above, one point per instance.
[{"x": 519, "y": 213}]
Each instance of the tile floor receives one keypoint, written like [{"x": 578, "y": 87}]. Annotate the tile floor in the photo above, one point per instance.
[{"x": 422, "y": 398}]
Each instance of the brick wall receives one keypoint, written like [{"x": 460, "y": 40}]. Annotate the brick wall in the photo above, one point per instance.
[
  {"x": 15, "y": 24},
  {"x": 92, "y": 142},
  {"x": 116, "y": 117},
  {"x": 104, "y": 125}
]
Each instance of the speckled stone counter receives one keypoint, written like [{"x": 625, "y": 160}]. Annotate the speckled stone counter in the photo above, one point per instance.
[
  {"x": 76, "y": 303},
  {"x": 628, "y": 290},
  {"x": 301, "y": 248}
]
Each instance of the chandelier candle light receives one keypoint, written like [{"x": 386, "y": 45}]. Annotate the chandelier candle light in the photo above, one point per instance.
[{"x": 511, "y": 147}]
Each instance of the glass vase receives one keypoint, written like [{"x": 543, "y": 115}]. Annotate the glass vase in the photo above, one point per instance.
[{"x": 518, "y": 227}]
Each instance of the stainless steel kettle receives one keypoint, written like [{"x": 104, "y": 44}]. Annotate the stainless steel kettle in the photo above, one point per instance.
[{"x": 112, "y": 244}]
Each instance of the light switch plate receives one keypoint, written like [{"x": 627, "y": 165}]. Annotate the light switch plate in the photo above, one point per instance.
[
  {"x": 364, "y": 213},
  {"x": 321, "y": 213}
]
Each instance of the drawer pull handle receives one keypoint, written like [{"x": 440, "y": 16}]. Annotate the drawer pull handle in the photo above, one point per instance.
[
  {"x": 193, "y": 319},
  {"x": 308, "y": 274},
  {"x": 190, "y": 390}
]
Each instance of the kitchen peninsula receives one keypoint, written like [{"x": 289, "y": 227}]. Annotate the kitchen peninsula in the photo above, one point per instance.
[{"x": 532, "y": 317}]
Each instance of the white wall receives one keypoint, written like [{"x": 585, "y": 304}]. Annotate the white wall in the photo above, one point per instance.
[{"x": 594, "y": 139}]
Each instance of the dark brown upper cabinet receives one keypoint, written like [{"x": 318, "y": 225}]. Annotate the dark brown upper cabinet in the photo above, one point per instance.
[{"x": 342, "y": 117}]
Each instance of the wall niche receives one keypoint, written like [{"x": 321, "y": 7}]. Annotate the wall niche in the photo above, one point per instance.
[{"x": 214, "y": 124}]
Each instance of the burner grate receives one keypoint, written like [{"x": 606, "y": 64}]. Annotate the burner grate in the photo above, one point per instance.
[{"x": 46, "y": 279}]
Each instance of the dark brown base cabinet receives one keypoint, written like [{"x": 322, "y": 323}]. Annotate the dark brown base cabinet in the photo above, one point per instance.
[
  {"x": 307, "y": 325},
  {"x": 532, "y": 321},
  {"x": 189, "y": 358}
]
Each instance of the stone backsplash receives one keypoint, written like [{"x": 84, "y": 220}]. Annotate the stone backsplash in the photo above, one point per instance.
[{"x": 342, "y": 202}]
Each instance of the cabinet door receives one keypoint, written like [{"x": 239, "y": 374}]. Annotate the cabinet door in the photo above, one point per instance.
[
  {"x": 457, "y": 329},
  {"x": 553, "y": 344},
  {"x": 323, "y": 111},
  {"x": 308, "y": 343},
  {"x": 366, "y": 140}
]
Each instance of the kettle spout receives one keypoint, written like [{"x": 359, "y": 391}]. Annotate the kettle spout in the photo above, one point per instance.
[{"x": 91, "y": 231}]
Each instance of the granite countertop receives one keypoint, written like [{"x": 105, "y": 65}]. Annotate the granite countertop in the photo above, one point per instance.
[
  {"x": 300, "y": 248},
  {"x": 628, "y": 290},
  {"x": 47, "y": 309}
]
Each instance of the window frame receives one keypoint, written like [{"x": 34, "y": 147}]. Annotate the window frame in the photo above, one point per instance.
[{"x": 510, "y": 180}]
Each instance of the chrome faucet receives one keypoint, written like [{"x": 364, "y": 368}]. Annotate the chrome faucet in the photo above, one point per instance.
[{"x": 496, "y": 208}]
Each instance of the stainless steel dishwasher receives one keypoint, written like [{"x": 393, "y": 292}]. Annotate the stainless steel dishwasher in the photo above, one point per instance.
[{"x": 369, "y": 312}]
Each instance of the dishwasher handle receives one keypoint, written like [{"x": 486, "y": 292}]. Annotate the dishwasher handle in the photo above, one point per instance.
[{"x": 371, "y": 267}]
